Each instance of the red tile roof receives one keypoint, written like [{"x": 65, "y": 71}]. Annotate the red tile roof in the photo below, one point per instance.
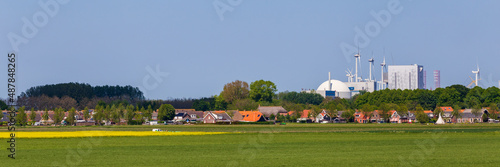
[
  {"x": 305, "y": 114},
  {"x": 251, "y": 116},
  {"x": 447, "y": 109}
]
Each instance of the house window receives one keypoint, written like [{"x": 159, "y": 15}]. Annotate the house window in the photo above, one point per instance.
[
  {"x": 193, "y": 116},
  {"x": 220, "y": 117}
]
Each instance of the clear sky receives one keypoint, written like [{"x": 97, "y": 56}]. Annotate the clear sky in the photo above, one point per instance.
[{"x": 198, "y": 46}]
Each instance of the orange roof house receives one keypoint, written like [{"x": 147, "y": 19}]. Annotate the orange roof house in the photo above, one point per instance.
[
  {"x": 447, "y": 109},
  {"x": 251, "y": 116},
  {"x": 361, "y": 118},
  {"x": 305, "y": 114}
]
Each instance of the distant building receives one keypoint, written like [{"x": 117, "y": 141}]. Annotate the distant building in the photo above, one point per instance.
[
  {"x": 425, "y": 79},
  {"x": 437, "y": 78},
  {"x": 334, "y": 88},
  {"x": 406, "y": 76}
]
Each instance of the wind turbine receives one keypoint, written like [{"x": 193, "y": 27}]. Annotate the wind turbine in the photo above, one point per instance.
[
  {"x": 357, "y": 56},
  {"x": 349, "y": 75},
  {"x": 471, "y": 83},
  {"x": 382, "y": 66},
  {"x": 371, "y": 60},
  {"x": 477, "y": 75}
]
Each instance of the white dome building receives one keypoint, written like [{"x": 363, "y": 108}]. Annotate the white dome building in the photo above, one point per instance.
[{"x": 334, "y": 88}]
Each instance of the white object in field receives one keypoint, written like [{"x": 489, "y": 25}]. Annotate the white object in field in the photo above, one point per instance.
[
  {"x": 156, "y": 130},
  {"x": 440, "y": 120}
]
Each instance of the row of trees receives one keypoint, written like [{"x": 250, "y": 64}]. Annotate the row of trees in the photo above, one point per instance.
[
  {"x": 429, "y": 99},
  {"x": 238, "y": 95},
  {"x": 80, "y": 91},
  {"x": 132, "y": 114},
  {"x": 66, "y": 102},
  {"x": 103, "y": 112}
]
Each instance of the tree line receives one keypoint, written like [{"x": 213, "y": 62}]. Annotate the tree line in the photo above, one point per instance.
[
  {"x": 79, "y": 96},
  {"x": 81, "y": 91},
  {"x": 238, "y": 95},
  {"x": 102, "y": 113},
  {"x": 458, "y": 95}
]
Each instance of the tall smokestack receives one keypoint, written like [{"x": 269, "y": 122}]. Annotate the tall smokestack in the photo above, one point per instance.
[{"x": 329, "y": 82}]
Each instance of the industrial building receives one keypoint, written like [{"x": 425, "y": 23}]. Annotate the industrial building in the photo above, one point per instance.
[
  {"x": 391, "y": 77},
  {"x": 406, "y": 76},
  {"x": 437, "y": 79}
]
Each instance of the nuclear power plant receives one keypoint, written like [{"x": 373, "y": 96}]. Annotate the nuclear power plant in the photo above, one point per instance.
[{"x": 391, "y": 77}]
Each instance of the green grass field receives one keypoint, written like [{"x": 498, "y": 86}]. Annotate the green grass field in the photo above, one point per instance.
[{"x": 266, "y": 145}]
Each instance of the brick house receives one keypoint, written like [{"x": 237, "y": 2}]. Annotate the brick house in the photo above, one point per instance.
[{"x": 211, "y": 117}]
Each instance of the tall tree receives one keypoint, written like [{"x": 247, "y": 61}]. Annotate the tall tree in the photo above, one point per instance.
[
  {"x": 98, "y": 114},
  {"x": 493, "y": 111},
  {"x": 243, "y": 104},
  {"x": 45, "y": 115},
  {"x": 235, "y": 91},
  {"x": 421, "y": 115},
  {"x": 58, "y": 116},
  {"x": 115, "y": 116},
  {"x": 86, "y": 114},
  {"x": 3, "y": 105},
  {"x": 71, "y": 116},
  {"x": 22, "y": 117},
  {"x": 130, "y": 114},
  {"x": 121, "y": 110},
  {"x": 384, "y": 112},
  {"x": 348, "y": 115},
  {"x": 367, "y": 110},
  {"x": 438, "y": 111},
  {"x": 476, "y": 110},
  {"x": 262, "y": 91},
  {"x": 107, "y": 114},
  {"x": 166, "y": 112},
  {"x": 402, "y": 110},
  {"x": 456, "y": 112},
  {"x": 32, "y": 116},
  {"x": 149, "y": 113}
]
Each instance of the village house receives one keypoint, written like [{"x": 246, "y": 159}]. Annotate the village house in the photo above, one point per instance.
[
  {"x": 211, "y": 117},
  {"x": 323, "y": 117},
  {"x": 188, "y": 116},
  {"x": 306, "y": 116},
  {"x": 429, "y": 113},
  {"x": 377, "y": 117},
  {"x": 248, "y": 116},
  {"x": 339, "y": 118},
  {"x": 359, "y": 117},
  {"x": 271, "y": 110},
  {"x": 467, "y": 116},
  {"x": 447, "y": 117}
]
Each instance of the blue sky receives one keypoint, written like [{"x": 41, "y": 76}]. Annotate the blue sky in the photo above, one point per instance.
[{"x": 293, "y": 43}]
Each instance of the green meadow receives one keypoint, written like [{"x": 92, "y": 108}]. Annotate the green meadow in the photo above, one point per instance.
[{"x": 270, "y": 145}]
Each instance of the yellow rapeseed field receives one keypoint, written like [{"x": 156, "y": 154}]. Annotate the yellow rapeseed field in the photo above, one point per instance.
[{"x": 74, "y": 134}]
